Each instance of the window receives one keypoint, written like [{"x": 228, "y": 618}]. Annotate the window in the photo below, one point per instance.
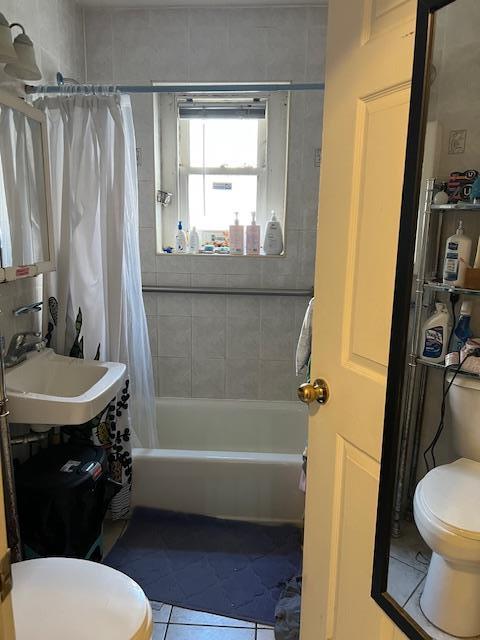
[{"x": 220, "y": 154}]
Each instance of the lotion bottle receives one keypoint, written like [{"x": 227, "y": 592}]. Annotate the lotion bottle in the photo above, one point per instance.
[
  {"x": 436, "y": 332},
  {"x": 273, "y": 243},
  {"x": 236, "y": 237},
  {"x": 457, "y": 257},
  {"x": 253, "y": 237},
  {"x": 194, "y": 241},
  {"x": 180, "y": 239}
]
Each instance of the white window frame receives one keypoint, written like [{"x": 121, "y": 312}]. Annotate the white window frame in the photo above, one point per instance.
[{"x": 171, "y": 172}]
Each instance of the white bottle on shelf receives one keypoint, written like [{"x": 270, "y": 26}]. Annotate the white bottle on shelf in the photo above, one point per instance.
[
  {"x": 273, "y": 243},
  {"x": 457, "y": 257},
  {"x": 236, "y": 237},
  {"x": 253, "y": 237},
  {"x": 194, "y": 241},
  {"x": 435, "y": 334},
  {"x": 180, "y": 239}
]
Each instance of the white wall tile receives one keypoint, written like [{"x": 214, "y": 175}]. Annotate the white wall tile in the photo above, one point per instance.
[{"x": 221, "y": 44}]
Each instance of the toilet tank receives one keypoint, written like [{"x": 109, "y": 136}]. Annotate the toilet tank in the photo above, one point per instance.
[{"x": 463, "y": 415}]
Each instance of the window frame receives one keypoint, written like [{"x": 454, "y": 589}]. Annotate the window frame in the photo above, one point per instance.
[{"x": 172, "y": 176}]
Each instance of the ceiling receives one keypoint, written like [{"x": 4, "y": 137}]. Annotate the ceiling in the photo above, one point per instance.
[{"x": 174, "y": 3}]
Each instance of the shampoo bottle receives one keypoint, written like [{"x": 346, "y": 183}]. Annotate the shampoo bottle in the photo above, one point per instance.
[
  {"x": 273, "y": 243},
  {"x": 236, "y": 237},
  {"x": 462, "y": 331},
  {"x": 194, "y": 241},
  {"x": 253, "y": 237},
  {"x": 180, "y": 239},
  {"x": 457, "y": 257},
  {"x": 436, "y": 332}
]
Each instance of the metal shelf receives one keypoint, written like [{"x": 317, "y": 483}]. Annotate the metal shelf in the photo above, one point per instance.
[
  {"x": 463, "y": 206},
  {"x": 447, "y": 288},
  {"x": 435, "y": 365}
]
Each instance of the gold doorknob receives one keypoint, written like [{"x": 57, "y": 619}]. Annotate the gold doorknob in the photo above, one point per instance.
[{"x": 318, "y": 391}]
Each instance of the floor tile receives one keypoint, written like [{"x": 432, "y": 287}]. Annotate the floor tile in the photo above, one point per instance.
[
  {"x": 187, "y": 616},
  {"x": 159, "y": 631},
  {"x": 402, "y": 580},
  {"x": 413, "y": 609},
  {"x": 410, "y": 547},
  {"x": 264, "y": 626},
  {"x": 265, "y": 634},
  {"x": 161, "y": 611},
  {"x": 196, "y": 632}
]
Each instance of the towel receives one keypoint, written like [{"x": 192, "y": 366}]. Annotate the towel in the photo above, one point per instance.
[{"x": 304, "y": 346}]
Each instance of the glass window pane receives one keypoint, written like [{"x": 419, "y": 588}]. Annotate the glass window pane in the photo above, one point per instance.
[
  {"x": 228, "y": 142},
  {"x": 223, "y": 196}
]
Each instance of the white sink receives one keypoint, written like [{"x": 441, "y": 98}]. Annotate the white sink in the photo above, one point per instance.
[{"x": 50, "y": 389}]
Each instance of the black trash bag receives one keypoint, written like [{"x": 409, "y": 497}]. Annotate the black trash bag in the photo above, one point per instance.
[{"x": 287, "y": 611}]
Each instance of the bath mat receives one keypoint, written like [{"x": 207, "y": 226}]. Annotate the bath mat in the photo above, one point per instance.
[{"x": 226, "y": 567}]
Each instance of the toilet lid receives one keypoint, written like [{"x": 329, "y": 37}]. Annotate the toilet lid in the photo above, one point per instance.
[
  {"x": 452, "y": 494},
  {"x": 58, "y": 598}
]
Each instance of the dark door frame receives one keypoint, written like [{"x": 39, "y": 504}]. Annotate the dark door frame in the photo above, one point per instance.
[{"x": 401, "y": 313}]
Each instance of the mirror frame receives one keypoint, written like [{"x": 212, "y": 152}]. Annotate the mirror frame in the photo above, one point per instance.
[
  {"x": 16, "y": 272},
  {"x": 401, "y": 314}
]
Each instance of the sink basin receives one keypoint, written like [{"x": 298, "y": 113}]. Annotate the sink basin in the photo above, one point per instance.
[{"x": 51, "y": 389}]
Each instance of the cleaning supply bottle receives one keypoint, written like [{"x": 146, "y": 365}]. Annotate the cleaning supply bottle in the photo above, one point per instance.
[
  {"x": 273, "y": 242},
  {"x": 253, "y": 237},
  {"x": 180, "y": 239},
  {"x": 457, "y": 257},
  {"x": 194, "y": 241},
  {"x": 462, "y": 331},
  {"x": 236, "y": 237},
  {"x": 436, "y": 332}
]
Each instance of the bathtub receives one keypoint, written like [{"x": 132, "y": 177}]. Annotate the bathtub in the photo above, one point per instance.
[{"x": 238, "y": 459}]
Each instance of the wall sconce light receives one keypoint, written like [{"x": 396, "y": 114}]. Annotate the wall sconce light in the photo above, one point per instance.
[
  {"x": 25, "y": 66},
  {"x": 7, "y": 52}
]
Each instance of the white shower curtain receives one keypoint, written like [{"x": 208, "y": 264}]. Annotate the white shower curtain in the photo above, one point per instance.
[{"x": 95, "y": 298}]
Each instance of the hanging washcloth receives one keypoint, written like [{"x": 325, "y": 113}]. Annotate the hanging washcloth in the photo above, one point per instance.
[{"x": 304, "y": 346}]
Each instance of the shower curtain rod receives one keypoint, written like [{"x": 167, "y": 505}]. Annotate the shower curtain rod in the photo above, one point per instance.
[{"x": 174, "y": 88}]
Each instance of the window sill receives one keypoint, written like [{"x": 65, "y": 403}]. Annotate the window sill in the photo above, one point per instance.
[{"x": 221, "y": 255}]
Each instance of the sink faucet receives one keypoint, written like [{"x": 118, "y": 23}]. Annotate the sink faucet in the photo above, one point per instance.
[{"x": 21, "y": 344}]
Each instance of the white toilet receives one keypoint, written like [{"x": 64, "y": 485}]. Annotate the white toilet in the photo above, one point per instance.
[
  {"x": 58, "y": 598},
  {"x": 447, "y": 513}
]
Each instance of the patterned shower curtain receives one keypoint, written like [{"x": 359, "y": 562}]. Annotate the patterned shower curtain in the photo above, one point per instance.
[{"x": 95, "y": 299}]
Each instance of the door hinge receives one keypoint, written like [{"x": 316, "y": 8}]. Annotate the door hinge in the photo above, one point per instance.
[{"x": 5, "y": 576}]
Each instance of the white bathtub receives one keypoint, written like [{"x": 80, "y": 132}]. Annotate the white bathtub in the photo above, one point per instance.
[{"x": 236, "y": 459}]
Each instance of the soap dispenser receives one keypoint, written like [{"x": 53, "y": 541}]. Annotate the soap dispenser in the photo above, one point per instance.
[
  {"x": 253, "y": 237},
  {"x": 236, "y": 237},
  {"x": 273, "y": 243},
  {"x": 180, "y": 239}
]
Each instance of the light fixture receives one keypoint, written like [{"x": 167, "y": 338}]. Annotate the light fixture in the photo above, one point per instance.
[
  {"x": 25, "y": 67},
  {"x": 7, "y": 52}
]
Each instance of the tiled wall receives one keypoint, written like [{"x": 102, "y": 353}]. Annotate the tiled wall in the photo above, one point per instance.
[
  {"x": 56, "y": 28},
  {"x": 221, "y": 346}
]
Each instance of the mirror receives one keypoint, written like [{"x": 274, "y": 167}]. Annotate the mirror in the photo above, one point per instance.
[
  {"x": 25, "y": 211},
  {"x": 426, "y": 572}
]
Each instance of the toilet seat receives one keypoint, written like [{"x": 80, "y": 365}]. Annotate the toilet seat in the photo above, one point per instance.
[
  {"x": 58, "y": 598},
  {"x": 451, "y": 495}
]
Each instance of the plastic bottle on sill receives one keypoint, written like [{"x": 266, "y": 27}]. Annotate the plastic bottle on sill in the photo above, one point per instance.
[
  {"x": 180, "y": 239},
  {"x": 236, "y": 237},
  {"x": 194, "y": 241},
  {"x": 273, "y": 243},
  {"x": 253, "y": 237}
]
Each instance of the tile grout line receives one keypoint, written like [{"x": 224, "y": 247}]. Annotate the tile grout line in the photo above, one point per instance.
[
  {"x": 413, "y": 592},
  {"x": 422, "y": 570}
]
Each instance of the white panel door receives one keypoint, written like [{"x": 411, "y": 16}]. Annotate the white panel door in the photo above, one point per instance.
[
  {"x": 7, "y": 631},
  {"x": 368, "y": 73}
]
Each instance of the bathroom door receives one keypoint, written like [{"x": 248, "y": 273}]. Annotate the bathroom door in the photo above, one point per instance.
[
  {"x": 7, "y": 631},
  {"x": 368, "y": 73}
]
